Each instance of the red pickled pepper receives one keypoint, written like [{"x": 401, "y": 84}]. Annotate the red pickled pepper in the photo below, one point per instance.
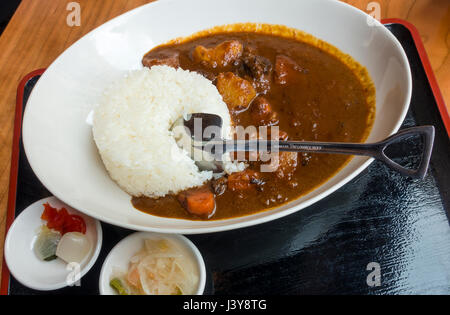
[{"x": 62, "y": 221}]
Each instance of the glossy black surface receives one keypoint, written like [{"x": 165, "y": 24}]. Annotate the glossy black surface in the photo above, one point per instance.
[
  {"x": 7, "y": 9},
  {"x": 381, "y": 217}
]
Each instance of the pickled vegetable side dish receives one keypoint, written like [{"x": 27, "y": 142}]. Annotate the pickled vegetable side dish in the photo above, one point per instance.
[{"x": 63, "y": 236}]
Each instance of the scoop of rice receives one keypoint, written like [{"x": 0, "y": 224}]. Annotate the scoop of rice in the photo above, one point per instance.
[{"x": 132, "y": 123}]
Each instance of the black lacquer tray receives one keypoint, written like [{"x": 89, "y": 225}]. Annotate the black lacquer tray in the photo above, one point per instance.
[{"x": 380, "y": 217}]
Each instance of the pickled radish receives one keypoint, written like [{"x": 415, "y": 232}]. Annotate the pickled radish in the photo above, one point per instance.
[{"x": 73, "y": 247}]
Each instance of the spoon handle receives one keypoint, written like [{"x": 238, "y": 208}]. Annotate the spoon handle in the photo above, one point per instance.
[{"x": 374, "y": 150}]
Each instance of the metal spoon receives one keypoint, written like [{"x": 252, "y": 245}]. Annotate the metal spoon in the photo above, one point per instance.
[{"x": 204, "y": 139}]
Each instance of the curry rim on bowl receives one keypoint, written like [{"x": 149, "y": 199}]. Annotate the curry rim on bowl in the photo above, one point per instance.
[{"x": 267, "y": 76}]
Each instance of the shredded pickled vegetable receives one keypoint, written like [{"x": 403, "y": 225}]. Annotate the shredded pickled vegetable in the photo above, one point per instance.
[{"x": 159, "y": 268}]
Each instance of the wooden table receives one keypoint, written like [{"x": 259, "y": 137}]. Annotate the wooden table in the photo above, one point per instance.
[{"x": 38, "y": 33}]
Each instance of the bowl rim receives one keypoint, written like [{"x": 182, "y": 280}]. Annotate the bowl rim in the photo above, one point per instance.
[{"x": 266, "y": 218}]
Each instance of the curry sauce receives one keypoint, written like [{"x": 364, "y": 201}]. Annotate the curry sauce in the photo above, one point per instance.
[{"x": 308, "y": 88}]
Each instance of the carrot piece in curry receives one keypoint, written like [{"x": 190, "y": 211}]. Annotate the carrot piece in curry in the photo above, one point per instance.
[{"x": 198, "y": 201}]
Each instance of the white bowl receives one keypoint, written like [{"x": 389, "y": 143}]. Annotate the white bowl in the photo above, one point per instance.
[
  {"x": 57, "y": 132},
  {"x": 23, "y": 263},
  {"x": 120, "y": 255}
]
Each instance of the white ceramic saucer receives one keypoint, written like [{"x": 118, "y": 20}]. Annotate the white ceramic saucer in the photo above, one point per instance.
[
  {"x": 23, "y": 263},
  {"x": 120, "y": 255}
]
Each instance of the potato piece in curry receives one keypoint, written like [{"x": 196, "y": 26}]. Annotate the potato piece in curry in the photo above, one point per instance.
[
  {"x": 237, "y": 93},
  {"x": 270, "y": 76},
  {"x": 219, "y": 56}
]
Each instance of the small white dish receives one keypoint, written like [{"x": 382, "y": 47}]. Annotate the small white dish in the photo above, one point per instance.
[
  {"x": 119, "y": 258},
  {"x": 23, "y": 263}
]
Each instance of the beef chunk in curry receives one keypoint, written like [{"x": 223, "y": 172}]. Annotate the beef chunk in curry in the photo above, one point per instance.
[
  {"x": 170, "y": 59},
  {"x": 287, "y": 165},
  {"x": 258, "y": 69},
  {"x": 285, "y": 68},
  {"x": 244, "y": 180},
  {"x": 263, "y": 113}
]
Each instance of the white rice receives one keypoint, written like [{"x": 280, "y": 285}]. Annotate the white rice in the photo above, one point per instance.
[{"x": 132, "y": 124}]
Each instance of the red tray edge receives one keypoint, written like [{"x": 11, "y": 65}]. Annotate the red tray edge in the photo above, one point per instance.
[
  {"x": 14, "y": 170},
  {"x": 443, "y": 110},
  {"x": 18, "y": 125}
]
